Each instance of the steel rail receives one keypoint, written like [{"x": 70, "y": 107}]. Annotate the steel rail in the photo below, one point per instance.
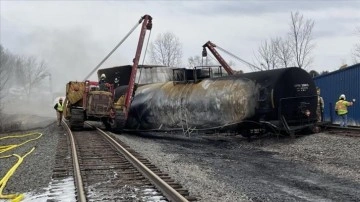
[
  {"x": 78, "y": 179},
  {"x": 350, "y": 128},
  {"x": 166, "y": 189},
  {"x": 337, "y": 130}
]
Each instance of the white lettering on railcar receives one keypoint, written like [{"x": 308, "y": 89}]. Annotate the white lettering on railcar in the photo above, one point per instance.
[{"x": 301, "y": 87}]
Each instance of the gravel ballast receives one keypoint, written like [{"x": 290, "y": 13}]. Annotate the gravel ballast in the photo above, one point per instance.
[
  {"x": 34, "y": 173},
  {"x": 318, "y": 167}
]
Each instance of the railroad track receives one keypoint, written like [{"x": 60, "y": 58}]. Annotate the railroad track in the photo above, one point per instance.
[
  {"x": 105, "y": 169},
  {"x": 336, "y": 130}
]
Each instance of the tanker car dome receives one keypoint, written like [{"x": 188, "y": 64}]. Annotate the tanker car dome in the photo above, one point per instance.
[
  {"x": 103, "y": 76},
  {"x": 342, "y": 96}
]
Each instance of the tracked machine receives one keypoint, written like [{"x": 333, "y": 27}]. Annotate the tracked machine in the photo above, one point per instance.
[{"x": 86, "y": 102}]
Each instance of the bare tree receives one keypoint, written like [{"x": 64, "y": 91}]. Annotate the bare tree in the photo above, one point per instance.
[
  {"x": 314, "y": 73},
  {"x": 324, "y": 72},
  {"x": 4, "y": 60},
  {"x": 301, "y": 39},
  {"x": 30, "y": 72},
  {"x": 232, "y": 63},
  {"x": 356, "y": 51},
  {"x": 23, "y": 71},
  {"x": 283, "y": 52},
  {"x": 194, "y": 61},
  {"x": 267, "y": 57},
  {"x": 166, "y": 50},
  {"x": 5, "y": 69}
]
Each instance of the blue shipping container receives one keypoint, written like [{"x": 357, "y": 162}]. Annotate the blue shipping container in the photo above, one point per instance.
[{"x": 344, "y": 81}]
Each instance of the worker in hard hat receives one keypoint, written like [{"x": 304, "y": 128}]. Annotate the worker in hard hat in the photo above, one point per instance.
[
  {"x": 341, "y": 109},
  {"x": 116, "y": 82},
  {"x": 59, "y": 107},
  {"x": 102, "y": 83},
  {"x": 320, "y": 105}
]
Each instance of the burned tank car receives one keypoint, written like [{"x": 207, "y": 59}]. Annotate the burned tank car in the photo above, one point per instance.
[
  {"x": 210, "y": 103},
  {"x": 282, "y": 98},
  {"x": 287, "y": 98}
]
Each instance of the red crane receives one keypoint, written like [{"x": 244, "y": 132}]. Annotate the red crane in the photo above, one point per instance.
[
  {"x": 211, "y": 46},
  {"x": 146, "y": 25}
]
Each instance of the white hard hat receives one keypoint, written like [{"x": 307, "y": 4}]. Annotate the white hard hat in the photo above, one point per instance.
[
  {"x": 342, "y": 96},
  {"x": 102, "y": 76}
]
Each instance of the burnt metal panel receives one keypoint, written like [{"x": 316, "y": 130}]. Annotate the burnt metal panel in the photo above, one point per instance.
[
  {"x": 221, "y": 101},
  {"x": 146, "y": 73},
  {"x": 279, "y": 84},
  {"x": 345, "y": 81},
  {"x": 206, "y": 104}
]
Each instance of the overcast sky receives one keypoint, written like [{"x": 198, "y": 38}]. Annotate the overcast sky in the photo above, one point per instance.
[{"x": 74, "y": 36}]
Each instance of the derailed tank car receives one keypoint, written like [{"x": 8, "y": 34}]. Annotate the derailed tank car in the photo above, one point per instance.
[{"x": 281, "y": 99}]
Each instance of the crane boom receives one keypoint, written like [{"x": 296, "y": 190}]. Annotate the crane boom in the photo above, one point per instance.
[
  {"x": 249, "y": 64},
  {"x": 146, "y": 25},
  {"x": 211, "y": 46},
  {"x": 113, "y": 50}
]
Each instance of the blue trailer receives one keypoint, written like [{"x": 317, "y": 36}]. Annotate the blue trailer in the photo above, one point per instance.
[{"x": 344, "y": 81}]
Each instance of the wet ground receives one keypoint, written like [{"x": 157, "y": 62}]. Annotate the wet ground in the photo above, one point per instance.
[{"x": 261, "y": 174}]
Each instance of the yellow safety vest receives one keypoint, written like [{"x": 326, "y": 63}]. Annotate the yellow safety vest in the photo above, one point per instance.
[
  {"x": 341, "y": 107},
  {"x": 60, "y": 107}
]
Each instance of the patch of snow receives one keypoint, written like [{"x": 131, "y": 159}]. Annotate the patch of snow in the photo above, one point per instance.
[{"x": 61, "y": 190}]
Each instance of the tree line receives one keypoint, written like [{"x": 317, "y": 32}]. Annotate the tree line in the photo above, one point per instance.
[
  {"x": 24, "y": 72},
  {"x": 293, "y": 49}
]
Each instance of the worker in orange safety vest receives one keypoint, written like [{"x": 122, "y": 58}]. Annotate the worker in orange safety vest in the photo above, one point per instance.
[{"x": 341, "y": 109}]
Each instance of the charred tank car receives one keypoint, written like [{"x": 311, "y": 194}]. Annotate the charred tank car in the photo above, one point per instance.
[{"x": 281, "y": 99}]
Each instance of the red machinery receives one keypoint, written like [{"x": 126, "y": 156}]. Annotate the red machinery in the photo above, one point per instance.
[
  {"x": 122, "y": 105},
  {"x": 211, "y": 46},
  {"x": 147, "y": 25},
  {"x": 86, "y": 101}
]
